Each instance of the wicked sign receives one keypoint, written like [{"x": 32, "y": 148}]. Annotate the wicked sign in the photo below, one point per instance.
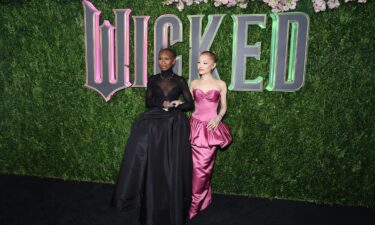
[{"x": 108, "y": 48}]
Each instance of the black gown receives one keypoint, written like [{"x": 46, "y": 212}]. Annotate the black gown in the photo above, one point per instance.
[{"x": 156, "y": 170}]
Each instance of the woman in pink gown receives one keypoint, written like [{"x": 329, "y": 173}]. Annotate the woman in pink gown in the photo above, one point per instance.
[{"x": 207, "y": 131}]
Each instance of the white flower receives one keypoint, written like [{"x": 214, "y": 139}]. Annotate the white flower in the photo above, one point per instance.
[
  {"x": 319, "y": 5},
  {"x": 189, "y": 2},
  {"x": 359, "y": 1},
  {"x": 231, "y": 3},
  {"x": 168, "y": 2},
  {"x": 217, "y": 3},
  {"x": 333, "y": 4},
  {"x": 281, "y": 5},
  {"x": 242, "y": 5},
  {"x": 275, "y": 5},
  {"x": 293, "y": 5},
  {"x": 180, "y": 6}
]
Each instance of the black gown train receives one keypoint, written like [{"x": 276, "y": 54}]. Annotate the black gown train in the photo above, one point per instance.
[{"x": 155, "y": 173}]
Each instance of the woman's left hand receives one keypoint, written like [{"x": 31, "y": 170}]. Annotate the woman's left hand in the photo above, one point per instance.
[
  {"x": 175, "y": 103},
  {"x": 214, "y": 123}
]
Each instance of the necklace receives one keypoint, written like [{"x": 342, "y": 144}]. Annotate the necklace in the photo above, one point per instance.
[{"x": 206, "y": 77}]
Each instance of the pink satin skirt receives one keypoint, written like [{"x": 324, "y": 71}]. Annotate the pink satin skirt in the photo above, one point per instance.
[{"x": 204, "y": 144}]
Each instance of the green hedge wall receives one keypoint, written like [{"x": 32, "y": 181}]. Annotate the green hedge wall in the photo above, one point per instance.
[{"x": 316, "y": 144}]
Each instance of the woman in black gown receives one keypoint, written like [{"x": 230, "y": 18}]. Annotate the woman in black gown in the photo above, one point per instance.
[{"x": 155, "y": 174}]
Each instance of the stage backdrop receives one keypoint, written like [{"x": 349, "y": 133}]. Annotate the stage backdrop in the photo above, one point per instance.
[{"x": 315, "y": 144}]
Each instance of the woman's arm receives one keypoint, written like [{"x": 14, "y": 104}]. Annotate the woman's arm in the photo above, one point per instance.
[
  {"x": 223, "y": 99},
  {"x": 223, "y": 106},
  {"x": 192, "y": 86},
  {"x": 189, "y": 102}
]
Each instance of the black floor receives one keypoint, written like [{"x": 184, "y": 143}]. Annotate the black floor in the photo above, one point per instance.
[{"x": 40, "y": 201}]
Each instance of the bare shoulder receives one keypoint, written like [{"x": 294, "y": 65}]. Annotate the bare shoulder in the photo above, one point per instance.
[
  {"x": 222, "y": 85},
  {"x": 193, "y": 83}
]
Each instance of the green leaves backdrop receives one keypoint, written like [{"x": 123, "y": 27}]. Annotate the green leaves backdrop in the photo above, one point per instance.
[{"x": 316, "y": 144}]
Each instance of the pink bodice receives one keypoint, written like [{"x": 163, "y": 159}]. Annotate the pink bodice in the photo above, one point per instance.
[{"x": 206, "y": 104}]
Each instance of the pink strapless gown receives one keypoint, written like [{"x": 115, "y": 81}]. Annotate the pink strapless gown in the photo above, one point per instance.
[{"x": 204, "y": 143}]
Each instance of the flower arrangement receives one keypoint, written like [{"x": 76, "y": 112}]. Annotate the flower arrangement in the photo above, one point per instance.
[
  {"x": 281, "y": 5},
  {"x": 276, "y": 5},
  {"x": 231, "y": 3}
]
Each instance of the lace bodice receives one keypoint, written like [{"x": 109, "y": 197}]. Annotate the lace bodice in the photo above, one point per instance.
[{"x": 167, "y": 86}]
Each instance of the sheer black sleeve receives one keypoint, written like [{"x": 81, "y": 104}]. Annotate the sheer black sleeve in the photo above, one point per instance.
[
  {"x": 151, "y": 100},
  {"x": 189, "y": 102}
]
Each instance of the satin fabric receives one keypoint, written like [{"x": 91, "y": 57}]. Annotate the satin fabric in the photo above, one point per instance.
[
  {"x": 155, "y": 174},
  {"x": 204, "y": 144}
]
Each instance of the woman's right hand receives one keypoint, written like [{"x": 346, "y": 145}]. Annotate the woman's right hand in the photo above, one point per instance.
[
  {"x": 166, "y": 104},
  {"x": 176, "y": 103}
]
